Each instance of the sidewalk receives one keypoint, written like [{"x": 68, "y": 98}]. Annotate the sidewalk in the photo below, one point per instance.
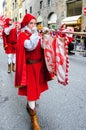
[{"x": 82, "y": 53}]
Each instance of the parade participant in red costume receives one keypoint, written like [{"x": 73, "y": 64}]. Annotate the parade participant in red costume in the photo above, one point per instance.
[
  {"x": 9, "y": 43},
  {"x": 31, "y": 73}
]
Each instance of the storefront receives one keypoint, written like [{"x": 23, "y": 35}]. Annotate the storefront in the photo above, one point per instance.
[{"x": 74, "y": 21}]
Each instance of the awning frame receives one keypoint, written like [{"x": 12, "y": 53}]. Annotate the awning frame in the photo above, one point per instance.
[{"x": 72, "y": 20}]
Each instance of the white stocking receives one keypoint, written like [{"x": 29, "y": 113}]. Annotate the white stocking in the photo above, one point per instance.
[
  {"x": 9, "y": 58},
  {"x": 31, "y": 104},
  {"x": 13, "y": 58}
]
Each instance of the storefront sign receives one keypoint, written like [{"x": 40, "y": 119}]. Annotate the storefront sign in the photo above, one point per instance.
[{"x": 84, "y": 10}]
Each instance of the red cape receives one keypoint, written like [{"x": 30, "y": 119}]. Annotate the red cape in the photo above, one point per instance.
[{"x": 20, "y": 74}]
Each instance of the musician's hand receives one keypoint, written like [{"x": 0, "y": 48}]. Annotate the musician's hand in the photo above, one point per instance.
[
  {"x": 5, "y": 47},
  {"x": 34, "y": 30},
  {"x": 12, "y": 25}
]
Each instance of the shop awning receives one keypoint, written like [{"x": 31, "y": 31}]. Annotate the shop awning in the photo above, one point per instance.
[{"x": 72, "y": 20}]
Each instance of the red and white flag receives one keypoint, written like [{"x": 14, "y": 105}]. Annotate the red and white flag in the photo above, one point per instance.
[
  {"x": 2, "y": 20},
  {"x": 56, "y": 55}
]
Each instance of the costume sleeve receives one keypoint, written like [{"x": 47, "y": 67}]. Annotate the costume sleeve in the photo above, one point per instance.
[{"x": 32, "y": 43}]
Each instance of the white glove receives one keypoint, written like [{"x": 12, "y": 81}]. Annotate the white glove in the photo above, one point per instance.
[
  {"x": 34, "y": 36},
  {"x": 8, "y": 29},
  {"x": 34, "y": 30},
  {"x": 13, "y": 25}
]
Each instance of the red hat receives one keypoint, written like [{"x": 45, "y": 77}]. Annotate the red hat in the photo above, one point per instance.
[{"x": 27, "y": 18}]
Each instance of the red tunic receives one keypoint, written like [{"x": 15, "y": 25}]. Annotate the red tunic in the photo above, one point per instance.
[
  {"x": 9, "y": 41},
  {"x": 33, "y": 77}
]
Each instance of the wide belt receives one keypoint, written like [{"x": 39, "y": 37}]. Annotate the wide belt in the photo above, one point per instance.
[
  {"x": 33, "y": 61},
  {"x": 12, "y": 42}
]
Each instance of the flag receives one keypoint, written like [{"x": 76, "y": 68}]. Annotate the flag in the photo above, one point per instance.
[{"x": 56, "y": 55}]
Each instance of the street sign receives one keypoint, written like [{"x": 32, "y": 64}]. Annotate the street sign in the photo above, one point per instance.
[{"x": 84, "y": 10}]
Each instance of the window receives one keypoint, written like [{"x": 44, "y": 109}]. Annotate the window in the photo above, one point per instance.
[
  {"x": 20, "y": 15},
  {"x": 74, "y": 7},
  {"x": 13, "y": 6},
  {"x": 15, "y": 3},
  {"x": 30, "y": 9},
  {"x": 15, "y": 18},
  {"x": 25, "y": 11},
  {"x": 41, "y": 4},
  {"x": 49, "y": 2}
]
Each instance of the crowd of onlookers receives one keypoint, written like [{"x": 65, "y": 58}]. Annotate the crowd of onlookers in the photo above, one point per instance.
[{"x": 78, "y": 44}]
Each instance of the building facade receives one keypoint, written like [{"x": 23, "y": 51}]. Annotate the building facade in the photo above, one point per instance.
[{"x": 50, "y": 13}]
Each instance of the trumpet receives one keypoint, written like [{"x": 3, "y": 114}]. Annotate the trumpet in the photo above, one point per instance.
[{"x": 55, "y": 32}]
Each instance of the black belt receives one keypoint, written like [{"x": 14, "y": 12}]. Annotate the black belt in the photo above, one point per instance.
[
  {"x": 12, "y": 42},
  {"x": 32, "y": 61}
]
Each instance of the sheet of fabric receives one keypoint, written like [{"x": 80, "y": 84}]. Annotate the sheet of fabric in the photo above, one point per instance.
[{"x": 56, "y": 55}]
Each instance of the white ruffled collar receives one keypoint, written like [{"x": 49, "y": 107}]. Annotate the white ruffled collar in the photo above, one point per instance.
[{"x": 26, "y": 28}]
